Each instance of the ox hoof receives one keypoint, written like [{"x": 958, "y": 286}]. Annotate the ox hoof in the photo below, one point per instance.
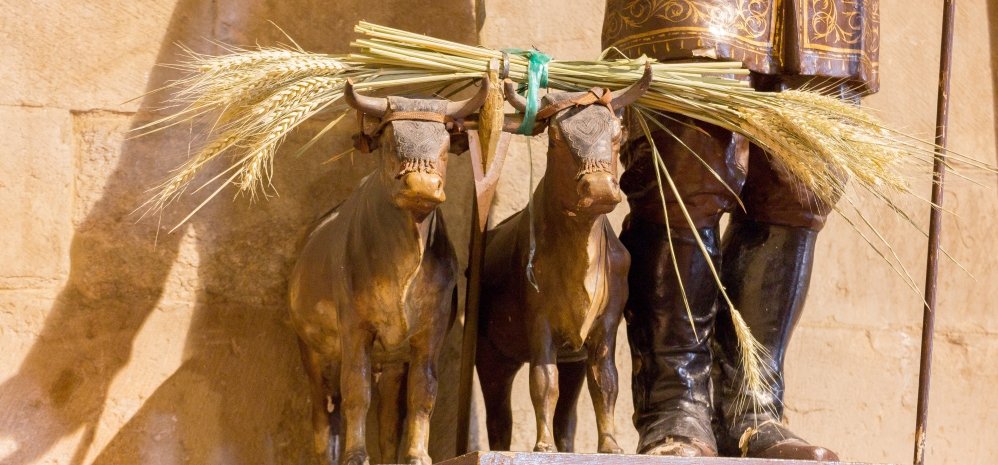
[
  {"x": 608, "y": 445},
  {"x": 419, "y": 459},
  {"x": 545, "y": 447},
  {"x": 355, "y": 457}
]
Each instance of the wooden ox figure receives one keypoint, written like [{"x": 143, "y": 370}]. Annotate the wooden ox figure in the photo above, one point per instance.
[
  {"x": 374, "y": 284},
  {"x": 556, "y": 277}
]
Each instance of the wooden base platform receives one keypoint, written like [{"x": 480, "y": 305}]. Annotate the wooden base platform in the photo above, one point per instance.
[{"x": 539, "y": 458}]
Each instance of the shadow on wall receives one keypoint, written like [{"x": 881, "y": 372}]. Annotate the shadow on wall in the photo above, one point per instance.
[{"x": 239, "y": 395}]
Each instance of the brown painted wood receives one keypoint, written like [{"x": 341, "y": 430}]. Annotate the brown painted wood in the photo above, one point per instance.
[
  {"x": 539, "y": 458},
  {"x": 485, "y": 169},
  {"x": 935, "y": 232},
  {"x": 469, "y": 338}
]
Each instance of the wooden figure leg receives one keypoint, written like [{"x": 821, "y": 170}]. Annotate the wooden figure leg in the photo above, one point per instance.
[
  {"x": 543, "y": 384},
  {"x": 602, "y": 381},
  {"x": 318, "y": 390},
  {"x": 391, "y": 410},
  {"x": 422, "y": 394},
  {"x": 335, "y": 420},
  {"x": 496, "y": 373},
  {"x": 355, "y": 387},
  {"x": 571, "y": 375}
]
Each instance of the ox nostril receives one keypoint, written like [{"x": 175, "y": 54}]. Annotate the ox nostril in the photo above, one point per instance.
[
  {"x": 599, "y": 188},
  {"x": 423, "y": 187}
]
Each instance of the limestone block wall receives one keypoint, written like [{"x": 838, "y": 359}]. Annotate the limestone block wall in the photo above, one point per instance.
[{"x": 123, "y": 343}]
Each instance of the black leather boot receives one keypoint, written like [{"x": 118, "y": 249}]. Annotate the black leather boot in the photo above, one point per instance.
[
  {"x": 766, "y": 272},
  {"x": 671, "y": 379}
]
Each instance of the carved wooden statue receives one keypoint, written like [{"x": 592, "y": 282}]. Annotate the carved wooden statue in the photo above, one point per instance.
[
  {"x": 556, "y": 276},
  {"x": 374, "y": 283}
]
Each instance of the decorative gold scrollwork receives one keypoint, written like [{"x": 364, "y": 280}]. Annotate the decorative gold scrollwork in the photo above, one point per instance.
[
  {"x": 748, "y": 19},
  {"x": 835, "y": 38}
]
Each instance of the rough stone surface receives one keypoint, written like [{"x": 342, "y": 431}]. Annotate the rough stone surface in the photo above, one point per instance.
[
  {"x": 36, "y": 196},
  {"x": 83, "y": 55},
  {"x": 121, "y": 343}
]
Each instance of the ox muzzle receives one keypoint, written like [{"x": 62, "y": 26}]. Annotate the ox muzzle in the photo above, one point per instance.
[
  {"x": 599, "y": 193},
  {"x": 420, "y": 192}
]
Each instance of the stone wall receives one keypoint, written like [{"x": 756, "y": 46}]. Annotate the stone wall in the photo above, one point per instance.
[{"x": 121, "y": 342}]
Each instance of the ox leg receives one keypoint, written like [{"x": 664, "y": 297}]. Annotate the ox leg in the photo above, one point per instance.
[
  {"x": 570, "y": 378},
  {"x": 336, "y": 423},
  {"x": 543, "y": 383},
  {"x": 355, "y": 387},
  {"x": 496, "y": 373},
  {"x": 422, "y": 395},
  {"x": 318, "y": 390},
  {"x": 602, "y": 381},
  {"x": 391, "y": 403}
]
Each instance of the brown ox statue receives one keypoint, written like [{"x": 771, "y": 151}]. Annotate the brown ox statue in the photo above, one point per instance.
[
  {"x": 373, "y": 285},
  {"x": 556, "y": 276}
]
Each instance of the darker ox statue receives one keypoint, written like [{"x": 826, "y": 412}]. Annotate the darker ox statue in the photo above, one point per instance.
[
  {"x": 556, "y": 300},
  {"x": 373, "y": 286}
]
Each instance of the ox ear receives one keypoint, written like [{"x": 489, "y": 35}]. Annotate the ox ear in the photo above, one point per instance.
[
  {"x": 458, "y": 142},
  {"x": 371, "y": 106},
  {"x": 632, "y": 93},
  {"x": 462, "y": 108}
]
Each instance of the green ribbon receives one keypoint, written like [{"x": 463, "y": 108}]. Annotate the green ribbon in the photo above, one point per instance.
[{"x": 537, "y": 77}]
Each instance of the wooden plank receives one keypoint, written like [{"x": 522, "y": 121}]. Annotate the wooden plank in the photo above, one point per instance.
[{"x": 540, "y": 458}]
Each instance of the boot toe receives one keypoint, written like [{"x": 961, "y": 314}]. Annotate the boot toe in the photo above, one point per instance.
[
  {"x": 796, "y": 449},
  {"x": 678, "y": 446}
]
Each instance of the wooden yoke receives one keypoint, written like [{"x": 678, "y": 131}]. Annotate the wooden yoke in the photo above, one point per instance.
[
  {"x": 486, "y": 179},
  {"x": 488, "y": 146},
  {"x": 491, "y": 143}
]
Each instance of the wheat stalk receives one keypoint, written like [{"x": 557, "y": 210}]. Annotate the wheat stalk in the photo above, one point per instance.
[{"x": 174, "y": 187}]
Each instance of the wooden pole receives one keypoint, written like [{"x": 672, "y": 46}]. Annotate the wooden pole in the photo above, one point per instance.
[
  {"x": 935, "y": 230},
  {"x": 486, "y": 178},
  {"x": 487, "y": 144},
  {"x": 469, "y": 342}
]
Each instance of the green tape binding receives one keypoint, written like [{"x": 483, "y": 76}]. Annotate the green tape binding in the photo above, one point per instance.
[{"x": 537, "y": 77}]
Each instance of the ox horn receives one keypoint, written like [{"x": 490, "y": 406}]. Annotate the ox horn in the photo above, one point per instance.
[
  {"x": 518, "y": 101},
  {"x": 462, "y": 108},
  {"x": 629, "y": 95},
  {"x": 371, "y": 106}
]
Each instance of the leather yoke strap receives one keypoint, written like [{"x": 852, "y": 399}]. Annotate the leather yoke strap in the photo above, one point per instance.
[
  {"x": 429, "y": 116},
  {"x": 596, "y": 95},
  {"x": 366, "y": 141}
]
